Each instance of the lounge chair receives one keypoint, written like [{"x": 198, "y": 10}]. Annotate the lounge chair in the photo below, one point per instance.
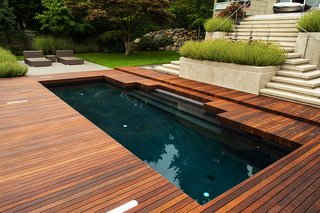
[
  {"x": 36, "y": 58},
  {"x": 66, "y": 57}
]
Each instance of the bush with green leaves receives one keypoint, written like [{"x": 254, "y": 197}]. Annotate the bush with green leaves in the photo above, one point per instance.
[
  {"x": 310, "y": 22},
  {"x": 9, "y": 67},
  {"x": 149, "y": 43},
  {"x": 245, "y": 53},
  {"x": 220, "y": 24},
  {"x": 110, "y": 41},
  {"x": 49, "y": 45}
]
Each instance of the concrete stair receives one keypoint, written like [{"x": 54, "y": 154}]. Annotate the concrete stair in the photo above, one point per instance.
[
  {"x": 297, "y": 80},
  {"x": 278, "y": 28},
  {"x": 172, "y": 68}
]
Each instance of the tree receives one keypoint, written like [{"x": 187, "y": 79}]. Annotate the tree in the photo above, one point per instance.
[
  {"x": 7, "y": 19},
  {"x": 125, "y": 14},
  {"x": 25, "y": 11},
  {"x": 56, "y": 18},
  {"x": 191, "y": 13}
]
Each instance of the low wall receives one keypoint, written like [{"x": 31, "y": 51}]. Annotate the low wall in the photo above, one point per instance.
[
  {"x": 309, "y": 46},
  {"x": 239, "y": 77},
  {"x": 215, "y": 35}
]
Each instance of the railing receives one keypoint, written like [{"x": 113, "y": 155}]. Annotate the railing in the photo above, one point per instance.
[
  {"x": 304, "y": 30},
  {"x": 243, "y": 6}
]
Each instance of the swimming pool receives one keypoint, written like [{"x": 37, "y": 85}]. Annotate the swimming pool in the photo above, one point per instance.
[{"x": 179, "y": 140}]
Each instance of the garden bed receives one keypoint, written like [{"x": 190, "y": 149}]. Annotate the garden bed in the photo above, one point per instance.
[{"x": 234, "y": 76}]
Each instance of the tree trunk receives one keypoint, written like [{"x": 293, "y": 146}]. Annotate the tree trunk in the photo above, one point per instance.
[{"x": 127, "y": 46}]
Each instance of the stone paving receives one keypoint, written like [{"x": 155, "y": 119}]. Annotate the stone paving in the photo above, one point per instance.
[{"x": 61, "y": 68}]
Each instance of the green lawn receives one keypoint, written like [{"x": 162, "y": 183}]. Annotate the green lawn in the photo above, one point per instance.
[
  {"x": 19, "y": 57},
  {"x": 135, "y": 59}
]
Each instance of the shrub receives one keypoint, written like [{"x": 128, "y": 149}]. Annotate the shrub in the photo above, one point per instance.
[
  {"x": 49, "y": 45},
  {"x": 110, "y": 41},
  {"x": 149, "y": 43},
  {"x": 6, "y": 56},
  {"x": 44, "y": 43},
  {"x": 310, "y": 22},
  {"x": 231, "y": 10},
  {"x": 9, "y": 67},
  {"x": 218, "y": 24},
  {"x": 255, "y": 53}
]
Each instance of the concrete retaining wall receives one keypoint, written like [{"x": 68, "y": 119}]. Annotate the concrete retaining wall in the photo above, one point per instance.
[
  {"x": 309, "y": 46},
  {"x": 215, "y": 35},
  {"x": 239, "y": 77}
]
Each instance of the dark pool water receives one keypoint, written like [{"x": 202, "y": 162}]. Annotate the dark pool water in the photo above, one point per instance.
[{"x": 203, "y": 162}]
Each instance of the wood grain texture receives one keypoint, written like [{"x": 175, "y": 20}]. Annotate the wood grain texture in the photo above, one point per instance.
[{"x": 53, "y": 159}]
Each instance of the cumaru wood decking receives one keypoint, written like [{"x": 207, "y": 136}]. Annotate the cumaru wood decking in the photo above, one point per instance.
[{"x": 53, "y": 159}]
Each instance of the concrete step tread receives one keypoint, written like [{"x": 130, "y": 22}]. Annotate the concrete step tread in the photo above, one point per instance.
[
  {"x": 289, "y": 49},
  {"x": 172, "y": 66},
  {"x": 292, "y": 88},
  {"x": 312, "y": 83},
  {"x": 301, "y": 68},
  {"x": 294, "y": 55},
  {"x": 303, "y": 75},
  {"x": 268, "y": 26},
  {"x": 251, "y": 22},
  {"x": 265, "y": 34},
  {"x": 175, "y": 62},
  {"x": 278, "y": 30},
  {"x": 166, "y": 70},
  {"x": 284, "y": 16},
  {"x": 297, "y": 61},
  {"x": 282, "y": 43},
  {"x": 271, "y": 38},
  {"x": 291, "y": 96}
]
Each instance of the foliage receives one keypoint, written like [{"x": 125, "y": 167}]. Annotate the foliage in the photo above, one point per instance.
[
  {"x": 7, "y": 18},
  {"x": 190, "y": 13},
  {"x": 110, "y": 41},
  {"x": 310, "y": 22},
  {"x": 50, "y": 44},
  {"x": 6, "y": 56},
  {"x": 255, "y": 54},
  {"x": 9, "y": 67},
  {"x": 25, "y": 11},
  {"x": 149, "y": 43},
  {"x": 134, "y": 59},
  {"x": 124, "y": 14},
  {"x": 218, "y": 24},
  {"x": 44, "y": 43},
  {"x": 231, "y": 10},
  {"x": 56, "y": 18}
]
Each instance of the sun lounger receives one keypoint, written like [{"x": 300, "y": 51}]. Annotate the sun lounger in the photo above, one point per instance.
[
  {"x": 66, "y": 57},
  {"x": 36, "y": 58}
]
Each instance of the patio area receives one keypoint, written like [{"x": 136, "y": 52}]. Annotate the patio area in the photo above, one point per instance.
[{"x": 61, "y": 68}]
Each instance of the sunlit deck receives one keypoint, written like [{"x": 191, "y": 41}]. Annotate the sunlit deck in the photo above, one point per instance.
[{"x": 53, "y": 159}]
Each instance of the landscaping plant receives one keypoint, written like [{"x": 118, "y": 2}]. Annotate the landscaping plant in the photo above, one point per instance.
[
  {"x": 310, "y": 22},
  {"x": 218, "y": 24},
  {"x": 9, "y": 67},
  {"x": 49, "y": 45},
  {"x": 255, "y": 53}
]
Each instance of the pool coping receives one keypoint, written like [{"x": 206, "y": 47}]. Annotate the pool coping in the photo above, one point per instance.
[{"x": 248, "y": 193}]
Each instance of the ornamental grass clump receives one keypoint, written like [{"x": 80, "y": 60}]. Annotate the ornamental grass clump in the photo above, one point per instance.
[
  {"x": 9, "y": 67},
  {"x": 220, "y": 24},
  {"x": 310, "y": 22},
  {"x": 244, "y": 53}
]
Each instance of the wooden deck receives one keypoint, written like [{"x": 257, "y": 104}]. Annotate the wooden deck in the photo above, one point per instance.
[{"x": 53, "y": 159}]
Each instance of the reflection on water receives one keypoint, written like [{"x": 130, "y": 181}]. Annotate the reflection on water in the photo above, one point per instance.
[{"x": 201, "y": 162}]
